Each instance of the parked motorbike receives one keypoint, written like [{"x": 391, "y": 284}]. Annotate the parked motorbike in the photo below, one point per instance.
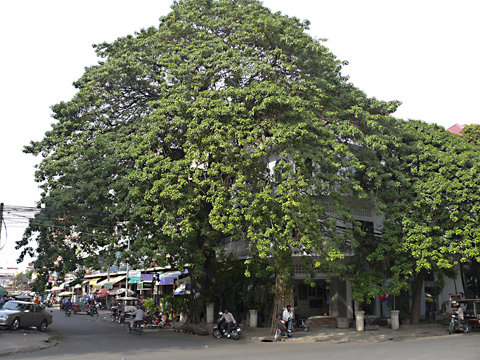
[
  {"x": 300, "y": 323},
  {"x": 68, "y": 311},
  {"x": 282, "y": 330},
  {"x": 167, "y": 323},
  {"x": 47, "y": 303},
  {"x": 153, "y": 320},
  {"x": 136, "y": 326},
  {"x": 220, "y": 331},
  {"x": 457, "y": 325}
]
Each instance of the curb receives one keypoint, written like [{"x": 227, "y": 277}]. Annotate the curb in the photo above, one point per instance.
[{"x": 51, "y": 342}]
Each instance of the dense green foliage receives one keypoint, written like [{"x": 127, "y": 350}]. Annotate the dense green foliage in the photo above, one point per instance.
[
  {"x": 431, "y": 222},
  {"x": 228, "y": 122},
  {"x": 471, "y": 133}
]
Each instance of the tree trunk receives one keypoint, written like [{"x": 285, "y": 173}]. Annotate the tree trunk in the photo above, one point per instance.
[
  {"x": 200, "y": 285},
  {"x": 417, "y": 296},
  {"x": 283, "y": 297}
]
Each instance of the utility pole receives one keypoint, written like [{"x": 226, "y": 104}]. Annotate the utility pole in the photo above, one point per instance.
[
  {"x": 127, "y": 286},
  {"x": 1, "y": 221}
]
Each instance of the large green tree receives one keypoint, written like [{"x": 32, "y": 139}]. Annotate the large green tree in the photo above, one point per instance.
[
  {"x": 225, "y": 122},
  {"x": 431, "y": 220}
]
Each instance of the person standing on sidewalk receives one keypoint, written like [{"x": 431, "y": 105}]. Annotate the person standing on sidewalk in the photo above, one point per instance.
[
  {"x": 287, "y": 316},
  {"x": 327, "y": 303}
]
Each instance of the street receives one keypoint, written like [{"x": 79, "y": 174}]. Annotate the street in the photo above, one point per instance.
[{"x": 81, "y": 337}]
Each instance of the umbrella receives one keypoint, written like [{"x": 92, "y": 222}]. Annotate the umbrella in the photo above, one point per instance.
[
  {"x": 102, "y": 292},
  {"x": 121, "y": 292},
  {"x": 3, "y": 292}
]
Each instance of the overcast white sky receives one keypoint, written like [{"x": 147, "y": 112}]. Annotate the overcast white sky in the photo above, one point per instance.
[{"x": 423, "y": 53}]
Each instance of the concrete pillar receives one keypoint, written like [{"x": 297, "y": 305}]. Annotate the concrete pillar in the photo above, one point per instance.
[
  {"x": 338, "y": 298},
  {"x": 394, "y": 320},
  {"x": 359, "y": 320},
  {"x": 210, "y": 313},
  {"x": 253, "y": 318}
]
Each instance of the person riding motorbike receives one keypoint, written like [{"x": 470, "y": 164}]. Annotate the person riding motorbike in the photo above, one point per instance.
[
  {"x": 229, "y": 322},
  {"x": 459, "y": 312},
  {"x": 68, "y": 306},
  {"x": 287, "y": 316},
  {"x": 139, "y": 314}
]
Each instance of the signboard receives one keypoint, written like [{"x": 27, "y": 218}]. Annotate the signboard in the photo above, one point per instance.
[
  {"x": 166, "y": 281},
  {"x": 144, "y": 286},
  {"x": 147, "y": 277},
  {"x": 134, "y": 276}
]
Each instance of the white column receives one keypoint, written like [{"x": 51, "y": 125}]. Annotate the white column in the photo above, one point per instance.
[
  {"x": 359, "y": 318},
  {"x": 394, "y": 320}
]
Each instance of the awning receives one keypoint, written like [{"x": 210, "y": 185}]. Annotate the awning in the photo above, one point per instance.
[
  {"x": 93, "y": 281},
  {"x": 62, "y": 286},
  {"x": 56, "y": 288},
  {"x": 109, "y": 284},
  {"x": 171, "y": 274},
  {"x": 85, "y": 281},
  {"x": 78, "y": 286},
  {"x": 99, "y": 285}
]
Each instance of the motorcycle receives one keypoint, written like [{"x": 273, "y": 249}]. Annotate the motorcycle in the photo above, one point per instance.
[
  {"x": 136, "y": 326},
  {"x": 153, "y": 320},
  {"x": 68, "y": 311},
  {"x": 457, "y": 325},
  {"x": 121, "y": 317},
  {"x": 282, "y": 330},
  {"x": 47, "y": 304},
  {"x": 92, "y": 310},
  {"x": 220, "y": 331},
  {"x": 114, "y": 314},
  {"x": 300, "y": 323},
  {"x": 167, "y": 323}
]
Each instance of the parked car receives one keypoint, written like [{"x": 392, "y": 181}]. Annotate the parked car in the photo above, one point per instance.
[{"x": 15, "y": 314}]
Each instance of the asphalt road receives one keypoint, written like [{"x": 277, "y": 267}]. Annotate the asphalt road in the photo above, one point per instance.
[{"x": 83, "y": 337}]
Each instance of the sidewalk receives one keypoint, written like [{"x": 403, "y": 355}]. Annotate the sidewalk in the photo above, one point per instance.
[
  {"x": 335, "y": 335},
  {"x": 24, "y": 341}
]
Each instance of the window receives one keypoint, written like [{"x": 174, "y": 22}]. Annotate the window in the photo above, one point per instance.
[
  {"x": 280, "y": 171},
  {"x": 367, "y": 227}
]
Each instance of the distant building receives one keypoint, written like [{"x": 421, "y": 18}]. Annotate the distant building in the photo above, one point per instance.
[{"x": 456, "y": 129}]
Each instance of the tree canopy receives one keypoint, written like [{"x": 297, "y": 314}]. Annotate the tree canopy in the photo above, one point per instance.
[
  {"x": 228, "y": 121},
  {"x": 431, "y": 219}
]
